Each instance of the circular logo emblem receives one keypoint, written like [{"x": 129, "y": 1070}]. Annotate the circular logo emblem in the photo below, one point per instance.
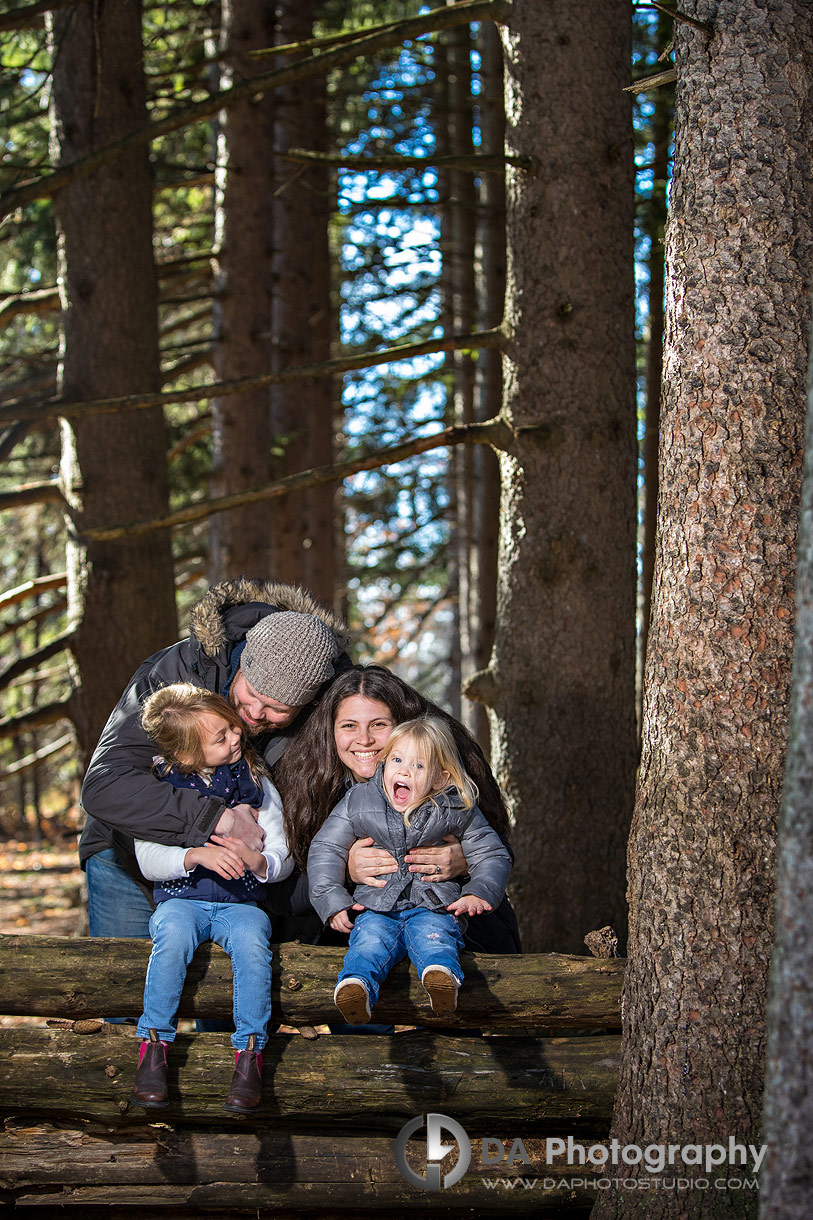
[{"x": 435, "y": 1151}]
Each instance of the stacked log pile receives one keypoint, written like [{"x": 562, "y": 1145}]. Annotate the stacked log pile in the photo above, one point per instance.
[{"x": 531, "y": 1053}]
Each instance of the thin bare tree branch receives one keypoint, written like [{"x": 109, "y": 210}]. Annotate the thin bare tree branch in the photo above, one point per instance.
[
  {"x": 46, "y": 492},
  {"x": 341, "y": 364},
  {"x": 39, "y": 616},
  {"x": 29, "y": 15},
  {"x": 327, "y": 40},
  {"x": 474, "y": 163},
  {"x": 50, "y": 713},
  {"x": 651, "y": 82},
  {"x": 202, "y": 427},
  {"x": 14, "y": 436},
  {"x": 31, "y": 760},
  {"x": 492, "y": 431},
  {"x": 684, "y": 17},
  {"x": 31, "y": 660},
  {"x": 33, "y": 588},
  {"x": 43, "y": 300},
  {"x": 321, "y": 62}
]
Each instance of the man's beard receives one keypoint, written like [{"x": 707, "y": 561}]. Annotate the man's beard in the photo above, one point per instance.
[
  {"x": 249, "y": 730},
  {"x": 254, "y": 730}
]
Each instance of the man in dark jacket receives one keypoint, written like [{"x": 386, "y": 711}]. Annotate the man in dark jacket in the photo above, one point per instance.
[{"x": 269, "y": 649}]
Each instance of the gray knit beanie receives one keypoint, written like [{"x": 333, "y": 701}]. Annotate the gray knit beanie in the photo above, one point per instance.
[{"x": 288, "y": 656}]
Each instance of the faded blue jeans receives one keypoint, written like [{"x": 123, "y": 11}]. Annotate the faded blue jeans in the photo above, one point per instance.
[
  {"x": 177, "y": 927},
  {"x": 116, "y": 905},
  {"x": 380, "y": 940},
  {"x": 119, "y": 907}
]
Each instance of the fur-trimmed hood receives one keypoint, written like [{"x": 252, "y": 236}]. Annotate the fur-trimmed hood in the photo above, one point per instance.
[{"x": 208, "y": 617}]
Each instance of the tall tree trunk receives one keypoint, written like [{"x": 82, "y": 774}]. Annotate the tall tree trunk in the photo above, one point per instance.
[
  {"x": 561, "y": 679},
  {"x": 701, "y": 854},
  {"x": 459, "y": 253},
  {"x": 785, "y": 1185},
  {"x": 302, "y": 412},
  {"x": 655, "y": 226},
  {"x": 488, "y": 385},
  {"x": 240, "y": 540},
  {"x": 121, "y": 593}
]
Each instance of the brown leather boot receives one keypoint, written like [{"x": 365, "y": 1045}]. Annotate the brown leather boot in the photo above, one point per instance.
[
  {"x": 150, "y": 1087},
  {"x": 246, "y": 1092}
]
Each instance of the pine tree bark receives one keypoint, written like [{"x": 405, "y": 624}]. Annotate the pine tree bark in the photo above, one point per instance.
[
  {"x": 488, "y": 385},
  {"x": 701, "y": 854},
  {"x": 662, "y": 104},
  {"x": 303, "y": 537},
  {"x": 561, "y": 679},
  {"x": 121, "y": 594},
  {"x": 459, "y": 255},
  {"x": 787, "y": 1176},
  {"x": 239, "y": 540}
]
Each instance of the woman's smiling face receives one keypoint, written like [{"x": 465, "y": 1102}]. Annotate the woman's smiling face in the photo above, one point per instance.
[{"x": 361, "y": 730}]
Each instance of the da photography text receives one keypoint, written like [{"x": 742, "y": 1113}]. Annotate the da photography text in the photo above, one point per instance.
[{"x": 445, "y": 1135}]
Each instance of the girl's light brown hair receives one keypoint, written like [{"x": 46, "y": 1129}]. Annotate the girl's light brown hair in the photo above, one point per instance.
[
  {"x": 171, "y": 717},
  {"x": 434, "y": 740}
]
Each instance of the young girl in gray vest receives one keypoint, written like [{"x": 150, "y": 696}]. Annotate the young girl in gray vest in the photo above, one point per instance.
[
  {"x": 211, "y": 892},
  {"x": 419, "y": 793}
]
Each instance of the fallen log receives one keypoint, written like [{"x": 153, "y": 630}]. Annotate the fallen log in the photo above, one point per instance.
[
  {"x": 47, "y": 1167},
  {"x": 368, "y": 1083},
  {"x": 80, "y": 977}
]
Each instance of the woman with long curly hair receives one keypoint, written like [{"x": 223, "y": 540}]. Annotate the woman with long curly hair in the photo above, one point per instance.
[{"x": 339, "y": 745}]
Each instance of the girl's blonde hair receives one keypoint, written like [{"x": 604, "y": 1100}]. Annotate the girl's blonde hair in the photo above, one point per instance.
[
  {"x": 171, "y": 717},
  {"x": 434, "y": 739}
]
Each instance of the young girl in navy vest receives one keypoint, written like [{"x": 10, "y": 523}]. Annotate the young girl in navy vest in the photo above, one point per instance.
[{"x": 210, "y": 892}]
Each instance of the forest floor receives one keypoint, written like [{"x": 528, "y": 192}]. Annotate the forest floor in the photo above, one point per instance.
[
  {"x": 42, "y": 892},
  {"x": 42, "y": 889}
]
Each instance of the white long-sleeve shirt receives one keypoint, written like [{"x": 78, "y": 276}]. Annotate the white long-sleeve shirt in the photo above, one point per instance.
[{"x": 160, "y": 862}]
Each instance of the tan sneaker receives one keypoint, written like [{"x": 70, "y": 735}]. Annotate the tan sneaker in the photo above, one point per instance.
[
  {"x": 442, "y": 987},
  {"x": 352, "y": 999}
]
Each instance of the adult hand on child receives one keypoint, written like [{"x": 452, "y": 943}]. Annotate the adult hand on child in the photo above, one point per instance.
[
  {"x": 221, "y": 860},
  {"x": 241, "y": 823},
  {"x": 441, "y": 862},
  {"x": 469, "y": 904},
  {"x": 365, "y": 862},
  {"x": 341, "y": 921},
  {"x": 253, "y": 860}
]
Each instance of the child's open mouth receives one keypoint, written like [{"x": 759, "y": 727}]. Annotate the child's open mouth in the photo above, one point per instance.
[{"x": 400, "y": 793}]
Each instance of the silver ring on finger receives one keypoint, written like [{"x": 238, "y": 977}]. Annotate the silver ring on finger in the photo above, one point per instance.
[{"x": 438, "y": 868}]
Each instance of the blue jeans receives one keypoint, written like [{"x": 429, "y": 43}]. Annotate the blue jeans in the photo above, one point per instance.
[
  {"x": 116, "y": 905},
  {"x": 177, "y": 927},
  {"x": 379, "y": 941},
  {"x": 119, "y": 907}
]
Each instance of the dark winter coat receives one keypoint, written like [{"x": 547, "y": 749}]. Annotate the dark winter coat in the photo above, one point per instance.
[
  {"x": 121, "y": 795},
  {"x": 366, "y": 812}
]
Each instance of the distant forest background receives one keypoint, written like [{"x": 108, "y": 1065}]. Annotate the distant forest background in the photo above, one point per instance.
[{"x": 324, "y": 220}]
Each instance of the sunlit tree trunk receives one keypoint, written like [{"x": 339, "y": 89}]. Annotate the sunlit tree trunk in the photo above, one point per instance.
[
  {"x": 458, "y": 252},
  {"x": 654, "y": 224},
  {"x": 561, "y": 678},
  {"x": 240, "y": 540},
  {"x": 302, "y": 412},
  {"x": 113, "y": 466},
  {"x": 488, "y": 385},
  {"x": 701, "y": 852}
]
